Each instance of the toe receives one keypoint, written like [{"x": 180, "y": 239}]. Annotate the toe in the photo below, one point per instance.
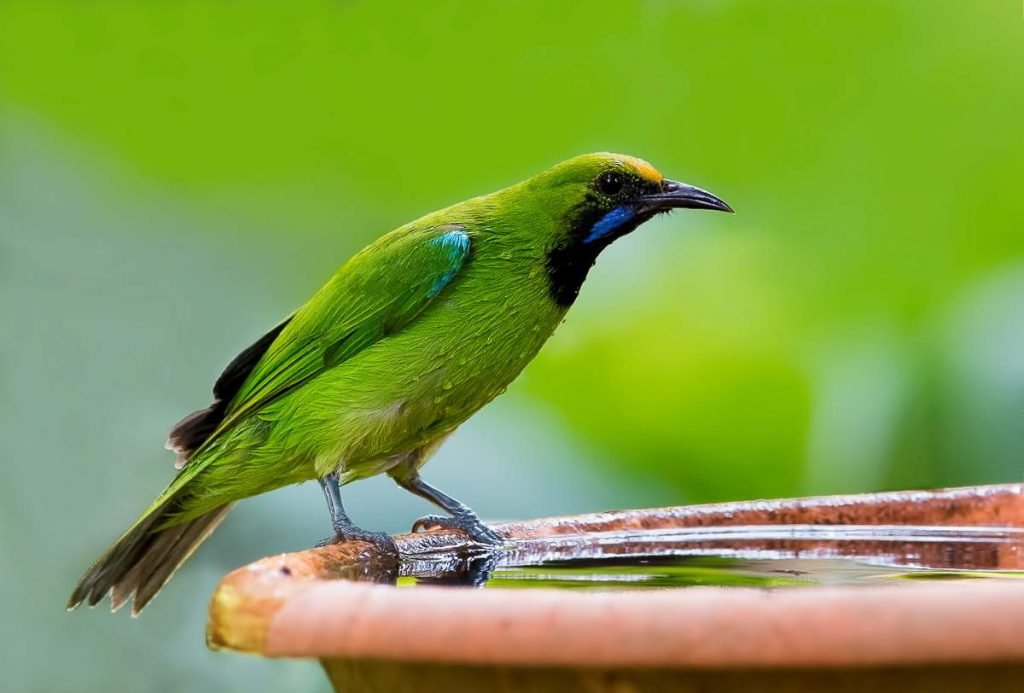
[
  {"x": 333, "y": 539},
  {"x": 486, "y": 535},
  {"x": 476, "y": 530},
  {"x": 429, "y": 522},
  {"x": 385, "y": 543}
]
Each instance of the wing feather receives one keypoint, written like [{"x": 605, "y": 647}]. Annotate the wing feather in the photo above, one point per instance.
[{"x": 378, "y": 292}]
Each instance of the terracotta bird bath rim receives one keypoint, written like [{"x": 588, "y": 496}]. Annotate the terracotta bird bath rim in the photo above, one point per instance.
[{"x": 329, "y": 603}]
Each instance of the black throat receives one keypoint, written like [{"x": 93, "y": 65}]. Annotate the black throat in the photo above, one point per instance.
[
  {"x": 569, "y": 262},
  {"x": 567, "y": 267}
]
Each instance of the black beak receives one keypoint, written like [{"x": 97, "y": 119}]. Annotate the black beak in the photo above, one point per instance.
[{"x": 676, "y": 195}]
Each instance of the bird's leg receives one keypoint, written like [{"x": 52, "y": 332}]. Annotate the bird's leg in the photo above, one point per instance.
[
  {"x": 344, "y": 530},
  {"x": 462, "y": 517}
]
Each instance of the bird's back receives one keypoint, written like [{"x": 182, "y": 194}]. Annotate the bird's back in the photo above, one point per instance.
[{"x": 411, "y": 385}]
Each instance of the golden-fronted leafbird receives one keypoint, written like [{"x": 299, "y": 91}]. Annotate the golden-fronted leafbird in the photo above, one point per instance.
[{"x": 405, "y": 342}]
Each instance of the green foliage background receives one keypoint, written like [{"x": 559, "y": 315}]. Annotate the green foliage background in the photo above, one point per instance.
[{"x": 176, "y": 176}]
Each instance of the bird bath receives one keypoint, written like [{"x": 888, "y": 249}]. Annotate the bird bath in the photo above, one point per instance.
[{"x": 898, "y": 591}]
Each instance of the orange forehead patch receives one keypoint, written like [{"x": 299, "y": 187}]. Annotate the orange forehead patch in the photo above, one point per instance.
[{"x": 644, "y": 169}]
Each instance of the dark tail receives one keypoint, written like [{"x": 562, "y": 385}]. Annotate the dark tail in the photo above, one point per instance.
[{"x": 146, "y": 556}]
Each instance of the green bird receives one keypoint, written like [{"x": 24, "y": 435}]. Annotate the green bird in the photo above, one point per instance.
[{"x": 406, "y": 341}]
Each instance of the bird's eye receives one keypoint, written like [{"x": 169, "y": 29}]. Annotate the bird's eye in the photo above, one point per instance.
[{"x": 610, "y": 182}]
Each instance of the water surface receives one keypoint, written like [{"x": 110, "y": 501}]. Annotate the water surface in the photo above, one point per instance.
[{"x": 741, "y": 556}]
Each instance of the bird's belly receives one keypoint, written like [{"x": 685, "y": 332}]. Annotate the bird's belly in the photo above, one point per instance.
[{"x": 408, "y": 390}]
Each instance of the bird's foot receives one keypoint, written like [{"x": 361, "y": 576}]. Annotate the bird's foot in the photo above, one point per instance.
[
  {"x": 470, "y": 524},
  {"x": 381, "y": 540}
]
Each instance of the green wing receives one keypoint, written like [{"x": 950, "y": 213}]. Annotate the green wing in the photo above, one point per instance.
[{"x": 378, "y": 292}]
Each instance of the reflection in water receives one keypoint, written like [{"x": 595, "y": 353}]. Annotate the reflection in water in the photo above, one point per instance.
[
  {"x": 761, "y": 556},
  {"x": 468, "y": 571}
]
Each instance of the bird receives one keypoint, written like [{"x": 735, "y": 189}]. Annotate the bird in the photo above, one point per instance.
[{"x": 407, "y": 340}]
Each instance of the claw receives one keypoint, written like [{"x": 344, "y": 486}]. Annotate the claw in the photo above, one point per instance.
[
  {"x": 429, "y": 522},
  {"x": 381, "y": 540},
  {"x": 477, "y": 531}
]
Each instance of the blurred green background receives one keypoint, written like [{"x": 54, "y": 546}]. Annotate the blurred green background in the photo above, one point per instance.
[{"x": 175, "y": 177}]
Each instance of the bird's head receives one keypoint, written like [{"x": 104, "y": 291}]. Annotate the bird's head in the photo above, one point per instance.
[{"x": 597, "y": 198}]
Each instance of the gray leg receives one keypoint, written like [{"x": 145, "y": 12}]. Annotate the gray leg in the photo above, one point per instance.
[
  {"x": 462, "y": 517},
  {"x": 344, "y": 530}
]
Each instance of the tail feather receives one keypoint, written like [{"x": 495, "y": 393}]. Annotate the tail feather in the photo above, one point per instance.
[
  {"x": 145, "y": 557},
  {"x": 172, "y": 547}
]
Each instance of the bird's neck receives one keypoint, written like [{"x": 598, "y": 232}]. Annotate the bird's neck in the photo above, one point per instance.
[
  {"x": 567, "y": 266},
  {"x": 590, "y": 231}
]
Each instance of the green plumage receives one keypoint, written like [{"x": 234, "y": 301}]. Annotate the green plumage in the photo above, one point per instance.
[{"x": 406, "y": 341}]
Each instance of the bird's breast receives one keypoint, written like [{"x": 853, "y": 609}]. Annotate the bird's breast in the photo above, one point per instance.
[{"x": 426, "y": 380}]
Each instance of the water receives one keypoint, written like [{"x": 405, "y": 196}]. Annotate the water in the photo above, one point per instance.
[
  {"x": 772, "y": 557},
  {"x": 691, "y": 571}
]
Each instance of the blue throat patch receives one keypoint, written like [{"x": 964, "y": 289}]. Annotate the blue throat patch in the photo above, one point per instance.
[{"x": 609, "y": 223}]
